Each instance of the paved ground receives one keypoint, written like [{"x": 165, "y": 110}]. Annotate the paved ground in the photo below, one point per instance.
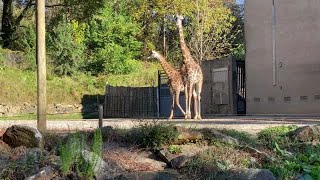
[{"x": 248, "y": 124}]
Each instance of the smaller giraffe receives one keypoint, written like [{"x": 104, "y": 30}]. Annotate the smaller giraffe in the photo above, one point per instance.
[{"x": 175, "y": 81}]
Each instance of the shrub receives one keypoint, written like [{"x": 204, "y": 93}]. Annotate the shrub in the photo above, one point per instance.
[
  {"x": 112, "y": 42},
  {"x": 275, "y": 134},
  {"x": 66, "y": 47},
  {"x": 153, "y": 135}
]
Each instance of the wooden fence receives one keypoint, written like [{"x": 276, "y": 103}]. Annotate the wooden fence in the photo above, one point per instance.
[{"x": 131, "y": 102}]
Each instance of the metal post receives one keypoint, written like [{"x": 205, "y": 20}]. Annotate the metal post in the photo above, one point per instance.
[
  {"x": 41, "y": 61},
  {"x": 100, "y": 115}
]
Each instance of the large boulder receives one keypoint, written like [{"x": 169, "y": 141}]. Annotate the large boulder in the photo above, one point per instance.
[
  {"x": 186, "y": 135},
  {"x": 165, "y": 155},
  {"x": 179, "y": 161},
  {"x": 17, "y": 135},
  {"x": 306, "y": 134}
]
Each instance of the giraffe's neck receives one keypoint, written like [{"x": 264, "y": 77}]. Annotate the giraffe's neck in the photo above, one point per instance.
[
  {"x": 168, "y": 68},
  {"x": 184, "y": 49}
]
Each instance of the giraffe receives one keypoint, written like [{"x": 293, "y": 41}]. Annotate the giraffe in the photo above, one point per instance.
[
  {"x": 175, "y": 81},
  {"x": 194, "y": 75}
]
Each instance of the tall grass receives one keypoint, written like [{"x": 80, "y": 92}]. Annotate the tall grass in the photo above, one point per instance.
[{"x": 19, "y": 86}]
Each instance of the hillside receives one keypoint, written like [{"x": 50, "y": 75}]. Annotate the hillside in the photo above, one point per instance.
[{"x": 18, "y": 86}]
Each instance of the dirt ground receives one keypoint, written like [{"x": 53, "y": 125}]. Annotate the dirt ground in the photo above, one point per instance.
[{"x": 251, "y": 125}]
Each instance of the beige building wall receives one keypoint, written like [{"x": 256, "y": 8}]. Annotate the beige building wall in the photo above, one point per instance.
[{"x": 292, "y": 84}]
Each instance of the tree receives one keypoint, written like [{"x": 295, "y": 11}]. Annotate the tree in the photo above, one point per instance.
[
  {"x": 10, "y": 22},
  {"x": 81, "y": 10},
  {"x": 111, "y": 41},
  {"x": 211, "y": 31}
]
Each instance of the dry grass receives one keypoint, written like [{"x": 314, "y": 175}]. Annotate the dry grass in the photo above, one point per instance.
[
  {"x": 128, "y": 159},
  {"x": 217, "y": 158}
]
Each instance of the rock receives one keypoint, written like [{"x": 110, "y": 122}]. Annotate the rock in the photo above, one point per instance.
[
  {"x": 165, "y": 155},
  {"x": 5, "y": 149},
  {"x": 33, "y": 155},
  {"x": 245, "y": 174},
  {"x": 263, "y": 155},
  {"x": 28, "y": 164},
  {"x": 222, "y": 137},
  {"x": 162, "y": 175},
  {"x": 4, "y": 161},
  {"x": 102, "y": 170},
  {"x": 16, "y": 136},
  {"x": 180, "y": 161},
  {"x": 187, "y": 135},
  {"x": 44, "y": 173},
  {"x": 147, "y": 157},
  {"x": 3, "y": 109},
  {"x": 306, "y": 134}
]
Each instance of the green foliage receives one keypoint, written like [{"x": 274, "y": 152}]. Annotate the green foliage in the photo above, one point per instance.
[
  {"x": 277, "y": 134},
  {"x": 66, "y": 47},
  {"x": 25, "y": 42},
  {"x": 72, "y": 157},
  {"x": 97, "y": 142},
  {"x": 239, "y": 52},
  {"x": 173, "y": 149},
  {"x": 153, "y": 135},
  {"x": 304, "y": 161},
  {"x": 112, "y": 42}
]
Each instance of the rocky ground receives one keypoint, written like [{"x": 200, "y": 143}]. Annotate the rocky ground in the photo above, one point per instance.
[{"x": 24, "y": 156}]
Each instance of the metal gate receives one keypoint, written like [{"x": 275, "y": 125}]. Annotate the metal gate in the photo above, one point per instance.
[
  {"x": 165, "y": 99},
  {"x": 241, "y": 87}
]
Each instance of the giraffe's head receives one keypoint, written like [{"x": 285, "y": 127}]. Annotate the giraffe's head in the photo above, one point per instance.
[
  {"x": 155, "y": 54},
  {"x": 179, "y": 19}
]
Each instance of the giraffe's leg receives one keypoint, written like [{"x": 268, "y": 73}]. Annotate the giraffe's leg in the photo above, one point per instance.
[
  {"x": 189, "y": 99},
  {"x": 186, "y": 99},
  {"x": 199, "y": 90},
  {"x": 172, "y": 106},
  {"x": 195, "y": 104},
  {"x": 177, "y": 97}
]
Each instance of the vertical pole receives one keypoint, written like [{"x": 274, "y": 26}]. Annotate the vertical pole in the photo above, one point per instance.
[
  {"x": 41, "y": 61},
  {"x": 100, "y": 115},
  {"x": 274, "y": 55}
]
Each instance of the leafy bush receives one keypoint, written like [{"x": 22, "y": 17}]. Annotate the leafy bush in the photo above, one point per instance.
[
  {"x": 66, "y": 47},
  {"x": 112, "y": 42},
  {"x": 153, "y": 135},
  {"x": 277, "y": 134}
]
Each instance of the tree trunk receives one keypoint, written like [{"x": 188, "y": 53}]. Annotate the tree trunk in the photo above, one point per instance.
[{"x": 7, "y": 23}]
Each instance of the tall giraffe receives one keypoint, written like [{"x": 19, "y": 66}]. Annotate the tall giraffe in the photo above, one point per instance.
[
  {"x": 175, "y": 81},
  {"x": 194, "y": 75}
]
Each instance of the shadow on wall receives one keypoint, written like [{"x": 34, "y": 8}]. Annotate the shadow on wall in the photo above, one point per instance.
[{"x": 90, "y": 105}]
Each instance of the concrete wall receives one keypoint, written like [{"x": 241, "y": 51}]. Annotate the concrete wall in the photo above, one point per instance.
[
  {"x": 210, "y": 94},
  {"x": 297, "y": 68}
]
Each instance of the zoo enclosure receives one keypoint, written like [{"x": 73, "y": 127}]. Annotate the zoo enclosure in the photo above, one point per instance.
[{"x": 223, "y": 93}]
